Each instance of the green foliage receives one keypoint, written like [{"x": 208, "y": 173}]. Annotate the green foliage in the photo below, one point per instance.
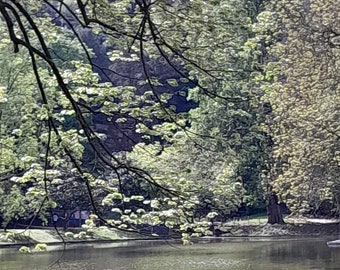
[
  {"x": 24, "y": 132},
  {"x": 216, "y": 164},
  {"x": 205, "y": 185},
  {"x": 13, "y": 204},
  {"x": 192, "y": 167},
  {"x": 300, "y": 82},
  {"x": 25, "y": 249},
  {"x": 40, "y": 247},
  {"x": 207, "y": 170}
]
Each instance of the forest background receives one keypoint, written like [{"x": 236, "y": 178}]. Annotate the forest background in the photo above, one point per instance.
[{"x": 177, "y": 113}]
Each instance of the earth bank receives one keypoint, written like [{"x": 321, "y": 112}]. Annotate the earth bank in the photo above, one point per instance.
[
  {"x": 278, "y": 230},
  {"x": 304, "y": 228}
]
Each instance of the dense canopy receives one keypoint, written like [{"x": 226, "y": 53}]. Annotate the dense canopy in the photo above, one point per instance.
[{"x": 175, "y": 113}]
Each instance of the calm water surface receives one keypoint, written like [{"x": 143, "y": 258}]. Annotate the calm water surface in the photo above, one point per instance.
[{"x": 237, "y": 255}]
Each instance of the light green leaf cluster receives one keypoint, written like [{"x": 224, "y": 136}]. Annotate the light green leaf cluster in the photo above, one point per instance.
[
  {"x": 24, "y": 132},
  {"x": 217, "y": 162},
  {"x": 300, "y": 81}
]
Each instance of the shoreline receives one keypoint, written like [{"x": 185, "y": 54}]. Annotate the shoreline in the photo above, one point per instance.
[
  {"x": 125, "y": 243},
  {"x": 223, "y": 232},
  {"x": 287, "y": 229}
]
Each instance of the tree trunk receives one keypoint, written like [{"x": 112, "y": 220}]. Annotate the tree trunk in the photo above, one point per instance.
[{"x": 273, "y": 210}]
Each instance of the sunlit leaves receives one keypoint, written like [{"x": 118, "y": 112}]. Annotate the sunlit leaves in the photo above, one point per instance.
[
  {"x": 24, "y": 131},
  {"x": 301, "y": 86},
  {"x": 194, "y": 163}
]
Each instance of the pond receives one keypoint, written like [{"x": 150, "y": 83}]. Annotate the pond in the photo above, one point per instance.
[{"x": 283, "y": 254}]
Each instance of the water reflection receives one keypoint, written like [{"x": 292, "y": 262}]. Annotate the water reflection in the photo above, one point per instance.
[{"x": 255, "y": 255}]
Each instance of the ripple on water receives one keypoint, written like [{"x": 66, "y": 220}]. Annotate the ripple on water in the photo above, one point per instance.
[{"x": 212, "y": 263}]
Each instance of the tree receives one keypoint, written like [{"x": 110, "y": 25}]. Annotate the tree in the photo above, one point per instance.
[
  {"x": 36, "y": 170},
  {"x": 25, "y": 176},
  {"x": 300, "y": 81},
  {"x": 221, "y": 154},
  {"x": 274, "y": 211},
  {"x": 207, "y": 44}
]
